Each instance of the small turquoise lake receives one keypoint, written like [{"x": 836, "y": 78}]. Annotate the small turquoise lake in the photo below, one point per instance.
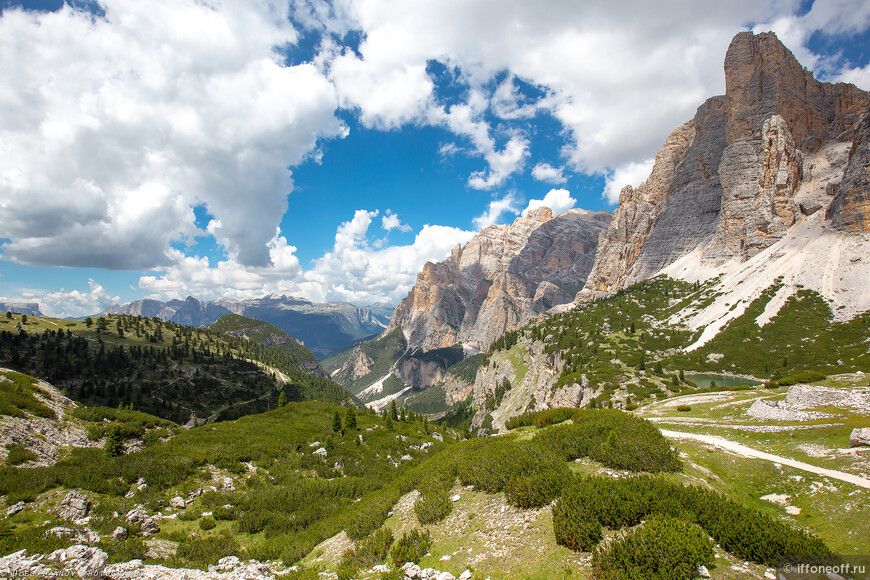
[{"x": 703, "y": 381}]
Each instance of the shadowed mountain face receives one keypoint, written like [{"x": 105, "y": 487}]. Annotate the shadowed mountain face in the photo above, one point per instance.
[
  {"x": 323, "y": 327},
  {"x": 501, "y": 279},
  {"x": 28, "y": 308}
]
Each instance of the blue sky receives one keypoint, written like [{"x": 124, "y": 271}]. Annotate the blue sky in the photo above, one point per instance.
[{"x": 328, "y": 149}]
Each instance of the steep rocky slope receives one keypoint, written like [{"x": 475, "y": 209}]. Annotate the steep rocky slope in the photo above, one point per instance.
[
  {"x": 501, "y": 279},
  {"x": 737, "y": 178},
  {"x": 44, "y": 435}
]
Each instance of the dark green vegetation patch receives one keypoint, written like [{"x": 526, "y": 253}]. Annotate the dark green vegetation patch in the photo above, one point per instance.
[
  {"x": 161, "y": 368},
  {"x": 17, "y": 396}
]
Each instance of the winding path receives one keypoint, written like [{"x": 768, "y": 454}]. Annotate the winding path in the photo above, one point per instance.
[{"x": 750, "y": 452}]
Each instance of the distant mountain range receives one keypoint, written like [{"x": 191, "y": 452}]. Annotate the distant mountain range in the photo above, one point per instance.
[
  {"x": 323, "y": 327},
  {"x": 28, "y": 308}
]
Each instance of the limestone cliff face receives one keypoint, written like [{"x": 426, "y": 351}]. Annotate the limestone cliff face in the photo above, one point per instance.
[
  {"x": 357, "y": 365},
  {"x": 850, "y": 208},
  {"x": 726, "y": 183},
  {"x": 502, "y": 278}
]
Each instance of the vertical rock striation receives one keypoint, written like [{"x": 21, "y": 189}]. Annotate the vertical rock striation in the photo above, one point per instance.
[{"x": 850, "y": 208}]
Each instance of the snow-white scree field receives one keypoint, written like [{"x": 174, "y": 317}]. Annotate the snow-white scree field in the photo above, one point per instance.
[{"x": 811, "y": 256}]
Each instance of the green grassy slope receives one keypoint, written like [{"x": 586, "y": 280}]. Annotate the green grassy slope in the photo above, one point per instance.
[
  {"x": 288, "y": 480},
  {"x": 262, "y": 333}
]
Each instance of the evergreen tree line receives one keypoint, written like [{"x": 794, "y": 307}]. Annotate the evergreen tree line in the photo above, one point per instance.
[{"x": 190, "y": 371}]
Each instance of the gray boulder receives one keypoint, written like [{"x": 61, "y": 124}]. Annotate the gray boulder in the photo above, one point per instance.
[
  {"x": 147, "y": 524},
  {"x": 14, "y": 509},
  {"x": 860, "y": 437},
  {"x": 84, "y": 561},
  {"x": 74, "y": 506}
]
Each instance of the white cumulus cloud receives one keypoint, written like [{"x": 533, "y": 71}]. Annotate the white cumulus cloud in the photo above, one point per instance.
[
  {"x": 353, "y": 270},
  {"x": 558, "y": 200},
  {"x": 507, "y": 204},
  {"x": 632, "y": 174},
  {"x": 114, "y": 128},
  {"x": 549, "y": 174},
  {"x": 73, "y": 303},
  {"x": 391, "y": 221}
]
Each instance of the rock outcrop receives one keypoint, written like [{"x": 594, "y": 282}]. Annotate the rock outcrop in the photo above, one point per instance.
[
  {"x": 44, "y": 436},
  {"x": 502, "y": 278},
  {"x": 850, "y": 208},
  {"x": 860, "y": 437},
  {"x": 74, "y": 506},
  {"x": 357, "y": 365},
  {"x": 726, "y": 184}
]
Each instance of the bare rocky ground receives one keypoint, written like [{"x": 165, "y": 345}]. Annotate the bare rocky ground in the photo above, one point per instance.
[{"x": 45, "y": 437}]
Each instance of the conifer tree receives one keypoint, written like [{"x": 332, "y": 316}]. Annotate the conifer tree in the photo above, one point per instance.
[
  {"x": 350, "y": 419},
  {"x": 336, "y": 422},
  {"x": 282, "y": 399}
]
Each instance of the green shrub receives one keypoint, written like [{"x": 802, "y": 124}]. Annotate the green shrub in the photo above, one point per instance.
[
  {"x": 662, "y": 548},
  {"x": 618, "y": 503},
  {"x": 200, "y": 552},
  {"x": 800, "y": 377},
  {"x": 16, "y": 397},
  {"x": 368, "y": 552},
  {"x": 541, "y": 419},
  {"x": 188, "y": 515},
  {"x": 19, "y": 454},
  {"x": 492, "y": 462},
  {"x": 411, "y": 547},
  {"x": 207, "y": 523},
  {"x": 684, "y": 408},
  {"x": 129, "y": 549},
  {"x": 617, "y": 439},
  {"x": 573, "y": 527},
  {"x": 538, "y": 489},
  {"x": 376, "y": 547},
  {"x": 225, "y": 513},
  {"x": 433, "y": 506}
]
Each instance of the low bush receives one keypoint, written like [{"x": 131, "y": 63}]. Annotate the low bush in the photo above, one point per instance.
[
  {"x": 368, "y": 552},
  {"x": 16, "y": 397},
  {"x": 492, "y": 462},
  {"x": 662, "y": 548},
  {"x": 800, "y": 377},
  {"x": 207, "y": 523},
  {"x": 541, "y": 419},
  {"x": 684, "y": 408},
  {"x": 188, "y": 515},
  {"x": 129, "y": 549},
  {"x": 433, "y": 506},
  {"x": 225, "y": 513},
  {"x": 538, "y": 489},
  {"x": 618, "y": 503},
  {"x": 200, "y": 552},
  {"x": 18, "y": 454},
  {"x": 411, "y": 547},
  {"x": 617, "y": 439},
  {"x": 573, "y": 526}
]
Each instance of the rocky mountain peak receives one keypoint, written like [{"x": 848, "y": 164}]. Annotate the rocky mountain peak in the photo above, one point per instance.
[
  {"x": 753, "y": 163},
  {"x": 763, "y": 78},
  {"x": 503, "y": 277}
]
